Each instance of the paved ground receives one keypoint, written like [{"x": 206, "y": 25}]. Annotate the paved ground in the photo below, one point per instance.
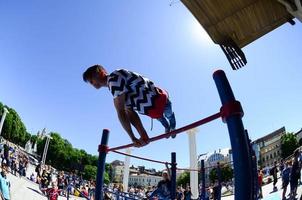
[
  {"x": 24, "y": 189},
  {"x": 268, "y": 193}
]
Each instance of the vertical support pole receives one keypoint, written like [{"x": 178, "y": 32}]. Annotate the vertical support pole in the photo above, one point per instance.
[
  {"x": 193, "y": 162},
  {"x": 219, "y": 180},
  {"x": 126, "y": 170},
  {"x": 232, "y": 113},
  {"x": 203, "y": 180},
  {"x": 173, "y": 175},
  {"x": 68, "y": 191},
  {"x": 101, "y": 165}
]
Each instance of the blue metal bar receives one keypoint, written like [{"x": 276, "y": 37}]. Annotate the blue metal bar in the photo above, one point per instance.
[
  {"x": 240, "y": 145},
  {"x": 203, "y": 180},
  {"x": 101, "y": 165},
  {"x": 173, "y": 175},
  {"x": 123, "y": 194},
  {"x": 219, "y": 180}
]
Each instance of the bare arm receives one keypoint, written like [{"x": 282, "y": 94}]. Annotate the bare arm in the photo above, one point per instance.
[
  {"x": 136, "y": 122},
  {"x": 119, "y": 103},
  {"x": 168, "y": 170}
]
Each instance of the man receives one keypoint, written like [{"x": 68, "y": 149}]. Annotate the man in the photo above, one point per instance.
[
  {"x": 4, "y": 185},
  {"x": 132, "y": 92},
  {"x": 294, "y": 175},
  {"x": 273, "y": 172},
  {"x": 163, "y": 190},
  {"x": 285, "y": 174}
]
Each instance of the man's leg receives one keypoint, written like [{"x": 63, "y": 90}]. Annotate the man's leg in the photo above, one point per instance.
[{"x": 169, "y": 114}]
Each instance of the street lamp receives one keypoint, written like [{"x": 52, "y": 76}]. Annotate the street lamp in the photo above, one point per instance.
[
  {"x": 5, "y": 111},
  {"x": 48, "y": 138}
]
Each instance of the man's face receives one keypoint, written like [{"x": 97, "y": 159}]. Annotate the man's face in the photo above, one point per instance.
[
  {"x": 165, "y": 176},
  {"x": 97, "y": 83}
]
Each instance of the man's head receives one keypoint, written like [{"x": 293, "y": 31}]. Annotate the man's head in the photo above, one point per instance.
[
  {"x": 165, "y": 175},
  {"x": 96, "y": 75}
]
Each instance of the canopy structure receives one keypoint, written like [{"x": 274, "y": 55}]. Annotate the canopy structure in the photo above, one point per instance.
[{"x": 234, "y": 24}]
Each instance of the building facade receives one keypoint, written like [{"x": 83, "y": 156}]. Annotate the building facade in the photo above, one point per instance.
[
  {"x": 222, "y": 156},
  {"x": 268, "y": 148},
  {"x": 143, "y": 180},
  {"x": 117, "y": 171}
]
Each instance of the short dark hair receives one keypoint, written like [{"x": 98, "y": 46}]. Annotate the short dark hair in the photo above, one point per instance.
[{"x": 92, "y": 71}]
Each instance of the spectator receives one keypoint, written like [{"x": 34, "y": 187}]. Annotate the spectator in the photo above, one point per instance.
[
  {"x": 294, "y": 175},
  {"x": 285, "y": 174},
  {"x": 4, "y": 185},
  {"x": 273, "y": 172},
  {"x": 187, "y": 193},
  {"x": 260, "y": 180}
]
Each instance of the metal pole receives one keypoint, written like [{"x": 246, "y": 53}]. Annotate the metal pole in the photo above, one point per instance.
[
  {"x": 126, "y": 170},
  {"x": 173, "y": 175},
  {"x": 5, "y": 111},
  {"x": 232, "y": 113},
  {"x": 101, "y": 165},
  {"x": 203, "y": 180},
  {"x": 219, "y": 180}
]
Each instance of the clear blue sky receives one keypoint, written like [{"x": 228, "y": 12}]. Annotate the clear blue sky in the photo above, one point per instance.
[{"x": 46, "y": 45}]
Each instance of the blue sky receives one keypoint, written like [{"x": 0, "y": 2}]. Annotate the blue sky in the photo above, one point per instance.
[{"x": 46, "y": 45}]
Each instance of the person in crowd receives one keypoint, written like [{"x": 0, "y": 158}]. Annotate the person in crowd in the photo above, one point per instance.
[
  {"x": 187, "y": 193},
  {"x": 60, "y": 180},
  {"x": 5, "y": 184},
  {"x": 294, "y": 175},
  {"x": 285, "y": 174},
  {"x": 260, "y": 181},
  {"x": 132, "y": 92},
  {"x": 163, "y": 187},
  {"x": 179, "y": 193},
  {"x": 273, "y": 172}
]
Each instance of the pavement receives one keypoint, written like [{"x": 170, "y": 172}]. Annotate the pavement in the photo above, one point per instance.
[
  {"x": 24, "y": 189},
  {"x": 269, "y": 194}
]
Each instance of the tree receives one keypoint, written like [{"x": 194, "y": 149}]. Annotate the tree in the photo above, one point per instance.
[
  {"x": 226, "y": 174},
  {"x": 288, "y": 144},
  {"x": 89, "y": 172},
  {"x": 183, "y": 179}
]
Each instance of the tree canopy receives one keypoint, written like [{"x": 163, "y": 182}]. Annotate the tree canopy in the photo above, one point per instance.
[
  {"x": 61, "y": 155},
  {"x": 288, "y": 144}
]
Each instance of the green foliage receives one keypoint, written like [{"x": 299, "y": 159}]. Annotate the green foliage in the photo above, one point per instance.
[
  {"x": 183, "y": 179},
  {"x": 288, "y": 144},
  {"x": 61, "y": 155},
  {"x": 89, "y": 172},
  {"x": 13, "y": 128},
  {"x": 226, "y": 174}
]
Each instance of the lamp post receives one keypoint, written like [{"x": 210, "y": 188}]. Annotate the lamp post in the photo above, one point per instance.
[
  {"x": 5, "y": 111},
  {"x": 48, "y": 138}
]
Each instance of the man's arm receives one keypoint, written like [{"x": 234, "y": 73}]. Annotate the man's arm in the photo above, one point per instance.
[
  {"x": 137, "y": 123},
  {"x": 119, "y": 103},
  {"x": 168, "y": 171}
]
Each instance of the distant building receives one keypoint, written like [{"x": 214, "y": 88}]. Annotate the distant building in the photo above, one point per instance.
[
  {"x": 223, "y": 156},
  {"x": 143, "y": 180},
  {"x": 268, "y": 148},
  {"x": 117, "y": 171},
  {"x": 138, "y": 176},
  {"x": 299, "y": 137}
]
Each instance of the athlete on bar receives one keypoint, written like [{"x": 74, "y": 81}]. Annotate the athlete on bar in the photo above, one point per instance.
[{"x": 132, "y": 92}]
